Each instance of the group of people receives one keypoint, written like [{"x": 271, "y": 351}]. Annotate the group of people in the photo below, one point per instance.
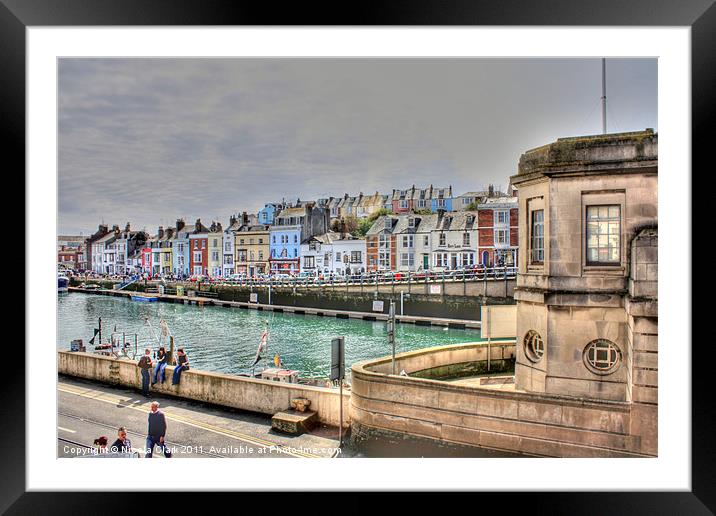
[
  {"x": 156, "y": 433},
  {"x": 158, "y": 373},
  {"x": 157, "y": 424}
]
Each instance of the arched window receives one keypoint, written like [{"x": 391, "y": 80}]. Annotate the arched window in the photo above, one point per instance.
[
  {"x": 602, "y": 356},
  {"x": 534, "y": 346}
]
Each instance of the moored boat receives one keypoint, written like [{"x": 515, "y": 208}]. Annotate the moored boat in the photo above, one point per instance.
[{"x": 63, "y": 283}]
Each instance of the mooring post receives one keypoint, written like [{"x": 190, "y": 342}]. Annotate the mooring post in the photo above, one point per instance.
[{"x": 170, "y": 358}]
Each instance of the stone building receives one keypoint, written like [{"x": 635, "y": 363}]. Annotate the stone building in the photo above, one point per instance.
[{"x": 587, "y": 285}]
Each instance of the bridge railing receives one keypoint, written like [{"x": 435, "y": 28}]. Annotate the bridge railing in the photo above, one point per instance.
[{"x": 382, "y": 277}]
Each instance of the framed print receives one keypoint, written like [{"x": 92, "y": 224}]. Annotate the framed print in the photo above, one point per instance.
[{"x": 420, "y": 245}]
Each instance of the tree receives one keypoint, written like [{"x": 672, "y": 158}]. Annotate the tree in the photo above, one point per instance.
[
  {"x": 347, "y": 224},
  {"x": 424, "y": 211},
  {"x": 383, "y": 211},
  {"x": 364, "y": 226},
  {"x": 471, "y": 207}
]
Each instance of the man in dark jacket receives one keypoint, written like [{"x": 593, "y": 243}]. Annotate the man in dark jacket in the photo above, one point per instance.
[
  {"x": 145, "y": 364},
  {"x": 122, "y": 444},
  {"x": 156, "y": 431}
]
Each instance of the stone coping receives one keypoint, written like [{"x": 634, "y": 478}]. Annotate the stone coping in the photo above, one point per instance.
[
  {"x": 213, "y": 374},
  {"x": 362, "y": 371}
]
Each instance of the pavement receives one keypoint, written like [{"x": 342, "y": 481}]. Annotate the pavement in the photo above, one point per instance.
[{"x": 87, "y": 410}]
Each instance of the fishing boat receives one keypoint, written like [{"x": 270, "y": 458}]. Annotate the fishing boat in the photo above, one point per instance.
[
  {"x": 144, "y": 298},
  {"x": 63, "y": 282}
]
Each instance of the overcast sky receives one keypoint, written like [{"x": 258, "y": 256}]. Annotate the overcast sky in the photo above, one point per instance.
[{"x": 149, "y": 140}]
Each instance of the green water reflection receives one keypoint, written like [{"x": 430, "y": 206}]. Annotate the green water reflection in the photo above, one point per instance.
[{"x": 225, "y": 339}]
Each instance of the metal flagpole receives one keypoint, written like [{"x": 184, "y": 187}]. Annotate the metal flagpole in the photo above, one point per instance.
[
  {"x": 604, "y": 95},
  {"x": 391, "y": 331}
]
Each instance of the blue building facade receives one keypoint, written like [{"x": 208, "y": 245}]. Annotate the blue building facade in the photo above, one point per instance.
[
  {"x": 441, "y": 199},
  {"x": 292, "y": 226},
  {"x": 267, "y": 214},
  {"x": 285, "y": 249},
  {"x": 180, "y": 250}
]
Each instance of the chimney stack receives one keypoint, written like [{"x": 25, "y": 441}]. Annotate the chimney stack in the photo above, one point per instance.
[
  {"x": 127, "y": 228},
  {"x": 244, "y": 218},
  {"x": 491, "y": 191},
  {"x": 160, "y": 232},
  {"x": 180, "y": 225}
]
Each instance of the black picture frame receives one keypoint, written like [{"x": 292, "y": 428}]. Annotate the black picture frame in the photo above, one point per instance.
[{"x": 700, "y": 15}]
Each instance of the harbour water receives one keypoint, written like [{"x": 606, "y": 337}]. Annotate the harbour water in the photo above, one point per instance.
[{"x": 225, "y": 339}]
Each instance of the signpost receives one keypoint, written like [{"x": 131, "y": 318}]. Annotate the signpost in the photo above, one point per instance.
[
  {"x": 391, "y": 332},
  {"x": 338, "y": 372},
  {"x": 498, "y": 321}
]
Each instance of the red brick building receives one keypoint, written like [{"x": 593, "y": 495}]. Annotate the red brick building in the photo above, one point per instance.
[
  {"x": 381, "y": 247},
  {"x": 498, "y": 221},
  {"x": 70, "y": 257},
  {"x": 198, "y": 255}
]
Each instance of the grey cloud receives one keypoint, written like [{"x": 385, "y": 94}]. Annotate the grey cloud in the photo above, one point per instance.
[{"x": 148, "y": 140}]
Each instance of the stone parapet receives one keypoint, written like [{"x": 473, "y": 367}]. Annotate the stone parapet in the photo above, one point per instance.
[
  {"x": 514, "y": 421},
  {"x": 237, "y": 392}
]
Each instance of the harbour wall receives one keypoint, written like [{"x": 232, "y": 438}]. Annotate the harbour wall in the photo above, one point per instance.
[
  {"x": 507, "y": 420},
  {"x": 456, "y": 300},
  {"x": 237, "y": 392}
]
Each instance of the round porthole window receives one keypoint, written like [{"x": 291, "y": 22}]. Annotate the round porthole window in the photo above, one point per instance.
[
  {"x": 602, "y": 356},
  {"x": 534, "y": 346}
]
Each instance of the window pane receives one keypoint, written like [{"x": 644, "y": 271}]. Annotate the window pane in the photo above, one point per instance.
[{"x": 613, "y": 212}]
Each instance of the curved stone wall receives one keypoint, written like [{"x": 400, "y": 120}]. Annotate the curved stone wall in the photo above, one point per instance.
[{"x": 509, "y": 420}]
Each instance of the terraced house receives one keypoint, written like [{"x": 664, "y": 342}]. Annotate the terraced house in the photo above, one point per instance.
[
  {"x": 293, "y": 226},
  {"x": 402, "y": 200},
  {"x": 454, "y": 240},
  {"x": 125, "y": 244},
  {"x": 181, "y": 259},
  {"x": 162, "y": 251},
  {"x": 334, "y": 253},
  {"x": 252, "y": 247},
  {"x": 229, "y": 247},
  {"x": 381, "y": 248},
  {"x": 215, "y": 252},
  {"x": 199, "y": 249},
  {"x": 369, "y": 204},
  {"x": 407, "y": 240},
  {"x": 91, "y": 247},
  {"x": 498, "y": 225},
  {"x": 441, "y": 199}
]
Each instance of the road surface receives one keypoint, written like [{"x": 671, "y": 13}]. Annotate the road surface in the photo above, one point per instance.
[{"x": 87, "y": 410}]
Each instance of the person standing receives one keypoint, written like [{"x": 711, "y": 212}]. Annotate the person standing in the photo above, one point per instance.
[
  {"x": 156, "y": 432},
  {"x": 122, "y": 444},
  {"x": 182, "y": 365},
  {"x": 145, "y": 365}
]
